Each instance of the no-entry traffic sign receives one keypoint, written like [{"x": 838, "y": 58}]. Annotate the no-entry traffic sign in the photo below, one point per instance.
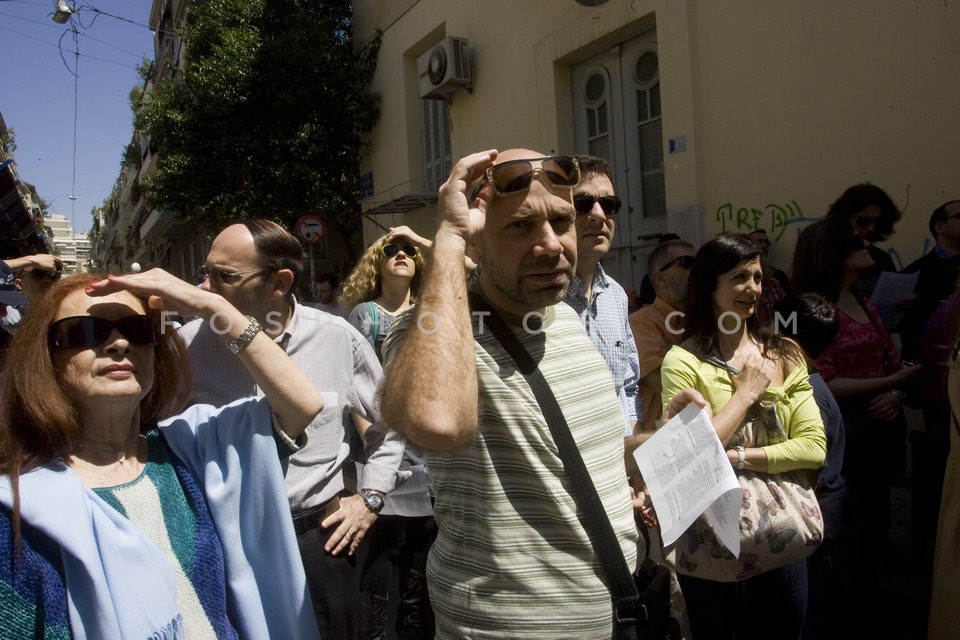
[{"x": 311, "y": 229}]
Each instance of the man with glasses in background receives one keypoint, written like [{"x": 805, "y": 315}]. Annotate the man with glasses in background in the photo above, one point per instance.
[
  {"x": 35, "y": 273},
  {"x": 930, "y": 342},
  {"x": 658, "y": 326},
  {"x": 939, "y": 270},
  {"x": 597, "y": 298},
  {"x": 10, "y": 301},
  {"x": 255, "y": 265},
  {"x": 512, "y": 558},
  {"x": 22, "y": 281}
]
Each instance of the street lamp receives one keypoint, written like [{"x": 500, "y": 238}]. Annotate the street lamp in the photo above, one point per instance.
[{"x": 62, "y": 11}]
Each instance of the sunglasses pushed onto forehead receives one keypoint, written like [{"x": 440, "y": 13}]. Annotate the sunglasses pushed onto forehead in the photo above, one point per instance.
[
  {"x": 390, "y": 250},
  {"x": 583, "y": 203},
  {"x": 515, "y": 176},
  {"x": 89, "y": 331}
]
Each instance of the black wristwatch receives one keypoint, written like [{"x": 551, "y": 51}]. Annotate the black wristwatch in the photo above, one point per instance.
[{"x": 373, "y": 499}]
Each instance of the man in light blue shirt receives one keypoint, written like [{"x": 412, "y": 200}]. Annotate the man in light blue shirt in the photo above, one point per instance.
[{"x": 597, "y": 298}]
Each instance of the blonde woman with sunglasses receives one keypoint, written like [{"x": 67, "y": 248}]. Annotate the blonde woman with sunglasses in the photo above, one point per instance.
[{"x": 384, "y": 282}]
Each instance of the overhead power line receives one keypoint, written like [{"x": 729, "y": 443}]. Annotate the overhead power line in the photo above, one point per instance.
[{"x": 56, "y": 46}]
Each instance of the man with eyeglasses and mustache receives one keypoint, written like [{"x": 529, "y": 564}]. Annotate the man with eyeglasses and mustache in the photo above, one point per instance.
[
  {"x": 597, "y": 298},
  {"x": 35, "y": 273},
  {"x": 255, "y": 265},
  {"x": 512, "y": 558},
  {"x": 24, "y": 280}
]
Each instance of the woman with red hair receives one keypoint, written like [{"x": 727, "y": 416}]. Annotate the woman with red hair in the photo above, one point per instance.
[{"x": 119, "y": 516}]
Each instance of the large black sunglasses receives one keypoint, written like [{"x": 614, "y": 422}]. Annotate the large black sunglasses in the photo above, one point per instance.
[
  {"x": 583, "y": 203},
  {"x": 515, "y": 176},
  {"x": 684, "y": 261},
  {"x": 390, "y": 250},
  {"x": 89, "y": 331}
]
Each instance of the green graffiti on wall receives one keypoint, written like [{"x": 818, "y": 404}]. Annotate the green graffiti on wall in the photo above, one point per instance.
[{"x": 774, "y": 218}]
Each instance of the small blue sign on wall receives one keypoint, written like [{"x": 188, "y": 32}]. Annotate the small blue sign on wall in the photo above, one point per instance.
[{"x": 366, "y": 185}]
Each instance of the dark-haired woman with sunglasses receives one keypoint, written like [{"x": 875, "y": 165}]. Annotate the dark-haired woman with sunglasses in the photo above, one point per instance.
[
  {"x": 119, "y": 516},
  {"x": 871, "y": 214},
  {"x": 385, "y": 282}
]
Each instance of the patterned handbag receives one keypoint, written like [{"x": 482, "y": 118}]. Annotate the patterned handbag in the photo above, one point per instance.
[{"x": 780, "y": 519}]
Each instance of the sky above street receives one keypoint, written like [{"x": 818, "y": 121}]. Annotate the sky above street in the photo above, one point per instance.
[{"x": 39, "y": 92}]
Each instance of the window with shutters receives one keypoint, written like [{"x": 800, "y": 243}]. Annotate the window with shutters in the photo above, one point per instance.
[
  {"x": 435, "y": 141},
  {"x": 646, "y": 79}
]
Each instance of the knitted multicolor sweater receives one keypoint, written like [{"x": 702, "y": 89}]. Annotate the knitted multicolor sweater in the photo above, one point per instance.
[{"x": 33, "y": 595}]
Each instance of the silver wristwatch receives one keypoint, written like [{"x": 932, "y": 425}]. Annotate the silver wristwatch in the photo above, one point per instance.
[
  {"x": 373, "y": 499},
  {"x": 243, "y": 340}
]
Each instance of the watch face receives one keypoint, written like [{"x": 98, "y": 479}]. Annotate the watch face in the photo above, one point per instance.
[{"x": 374, "y": 501}]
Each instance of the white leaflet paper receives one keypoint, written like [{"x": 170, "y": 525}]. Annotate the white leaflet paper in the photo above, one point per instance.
[
  {"x": 893, "y": 287},
  {"x": 890, "y": 290},
  {"x": 687, "y": 474}
]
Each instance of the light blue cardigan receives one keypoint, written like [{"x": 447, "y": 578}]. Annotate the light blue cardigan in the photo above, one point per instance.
[{"x": 120, "y": 585}]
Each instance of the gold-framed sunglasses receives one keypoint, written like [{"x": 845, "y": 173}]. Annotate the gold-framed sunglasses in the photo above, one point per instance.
[
  {"x": 515, "y": 176},
  {"x": 390, "y": 250}
]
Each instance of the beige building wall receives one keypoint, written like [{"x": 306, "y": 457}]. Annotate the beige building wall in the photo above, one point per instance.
[{"x": 781, "y": 105}]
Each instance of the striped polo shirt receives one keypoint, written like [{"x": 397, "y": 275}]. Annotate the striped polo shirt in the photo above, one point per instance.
[{"x": 511, "y": 558}]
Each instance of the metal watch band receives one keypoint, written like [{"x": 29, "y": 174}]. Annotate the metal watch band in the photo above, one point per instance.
[
  {"x": 370, "y": 495},
  {"x": 243, "y": 340}
]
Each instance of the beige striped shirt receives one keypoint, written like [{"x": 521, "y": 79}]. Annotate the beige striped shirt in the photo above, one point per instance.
[{"x": 512, "y": 559}]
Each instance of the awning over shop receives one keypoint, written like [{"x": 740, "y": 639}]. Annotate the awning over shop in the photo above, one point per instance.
[{"x": 19, "y": 233}]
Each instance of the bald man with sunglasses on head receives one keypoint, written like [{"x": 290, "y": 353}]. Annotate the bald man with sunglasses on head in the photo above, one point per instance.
[
  {"x": 512, "y": 558},
  {"x": 597, "y": 298}
]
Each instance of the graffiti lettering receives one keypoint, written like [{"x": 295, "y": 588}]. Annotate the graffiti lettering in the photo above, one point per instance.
[{"x": 774, "y": 218}]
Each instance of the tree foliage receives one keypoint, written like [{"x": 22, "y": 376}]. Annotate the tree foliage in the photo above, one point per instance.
[
  {"x": 267, "y": 118},
  {"x": 8, "y": 140},
  {"x": 42, "y": 204}
]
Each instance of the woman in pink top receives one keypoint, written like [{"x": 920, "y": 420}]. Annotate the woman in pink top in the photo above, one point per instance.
[{"x": 865, "y": 373}]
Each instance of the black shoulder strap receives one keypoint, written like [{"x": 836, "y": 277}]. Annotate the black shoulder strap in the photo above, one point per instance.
[
  {"x": 715, "y": 361},
  {"x": 594, "y": 519}
]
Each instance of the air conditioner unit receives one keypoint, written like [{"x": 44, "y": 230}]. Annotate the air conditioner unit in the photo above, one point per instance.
[{"x": 444, "y": 69}]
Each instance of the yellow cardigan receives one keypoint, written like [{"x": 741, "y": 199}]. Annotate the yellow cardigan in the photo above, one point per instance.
[{"x": 806, "y": 445}]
